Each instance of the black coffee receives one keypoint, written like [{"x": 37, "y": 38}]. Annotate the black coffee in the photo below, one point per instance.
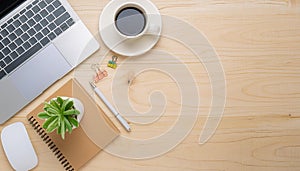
[{"x": 130, "y": 21}]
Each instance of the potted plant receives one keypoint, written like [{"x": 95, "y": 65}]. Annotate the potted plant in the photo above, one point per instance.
[{"x": 61, "y": 114}]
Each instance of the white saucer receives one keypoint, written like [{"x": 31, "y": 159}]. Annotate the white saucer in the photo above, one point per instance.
[{"x": 117, "y": 43}]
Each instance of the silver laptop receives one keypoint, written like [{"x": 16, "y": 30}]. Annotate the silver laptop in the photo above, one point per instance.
[{"x": 40, "y": 41}]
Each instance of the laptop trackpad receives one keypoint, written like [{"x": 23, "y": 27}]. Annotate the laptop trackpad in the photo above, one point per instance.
[{"x": 40, "y": 72}]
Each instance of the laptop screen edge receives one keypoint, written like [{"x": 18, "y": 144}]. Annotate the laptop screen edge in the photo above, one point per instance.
[{"x": 8, "y": 6}]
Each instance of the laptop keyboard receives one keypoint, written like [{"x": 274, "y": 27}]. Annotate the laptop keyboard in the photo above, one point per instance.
[{"x": 29, "y": 31}]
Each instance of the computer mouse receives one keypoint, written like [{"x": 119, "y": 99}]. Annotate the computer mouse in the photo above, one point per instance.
[{"x": 18, "y": 148}]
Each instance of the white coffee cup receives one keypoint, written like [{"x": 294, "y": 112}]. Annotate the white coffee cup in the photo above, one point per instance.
[{"x": 131, "y": 21}]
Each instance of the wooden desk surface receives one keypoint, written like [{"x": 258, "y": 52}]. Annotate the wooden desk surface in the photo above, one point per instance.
[{"x": 259, "y": 46}]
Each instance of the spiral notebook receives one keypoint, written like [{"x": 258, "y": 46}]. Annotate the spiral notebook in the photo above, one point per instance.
[{"x": 94, "y": 133}]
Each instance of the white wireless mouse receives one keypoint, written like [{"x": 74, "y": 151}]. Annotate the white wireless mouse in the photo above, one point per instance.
[{"x": 18, "y": 148}]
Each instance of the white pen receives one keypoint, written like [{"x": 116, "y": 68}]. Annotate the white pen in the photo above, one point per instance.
[{"x": 111, "y": 108}]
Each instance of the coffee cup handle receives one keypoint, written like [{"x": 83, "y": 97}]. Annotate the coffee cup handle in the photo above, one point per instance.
[{"x": 153, "y": 29}]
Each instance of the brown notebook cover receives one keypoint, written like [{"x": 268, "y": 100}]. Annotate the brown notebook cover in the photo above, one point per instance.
[{"x": 94, "y": 132}]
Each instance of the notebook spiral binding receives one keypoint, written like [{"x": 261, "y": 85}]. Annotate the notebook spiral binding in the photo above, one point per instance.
[{"x": 61, "y": 158}]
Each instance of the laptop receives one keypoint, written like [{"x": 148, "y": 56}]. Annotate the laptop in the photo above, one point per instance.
[{"x": 40, "y": 42}]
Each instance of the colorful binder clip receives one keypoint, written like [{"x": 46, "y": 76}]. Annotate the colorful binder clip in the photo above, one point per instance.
[
  {"x": 99, "y": 74},
  {"x": 113, "y": 62}
]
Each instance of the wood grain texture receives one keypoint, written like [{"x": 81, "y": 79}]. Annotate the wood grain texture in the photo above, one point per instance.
[{"x": 258, "y": 43}]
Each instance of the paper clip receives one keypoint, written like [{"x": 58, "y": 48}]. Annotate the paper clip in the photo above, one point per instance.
[
  {"x": 99, "y": 74},
  {"x": 130, "y": 77},
  {"x": 113, "y": 62}
]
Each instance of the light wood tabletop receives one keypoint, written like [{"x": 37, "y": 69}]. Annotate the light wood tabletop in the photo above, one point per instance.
[{"x": 258, "y": 43}]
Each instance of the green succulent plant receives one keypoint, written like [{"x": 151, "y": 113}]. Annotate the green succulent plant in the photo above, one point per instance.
[{"x": 60, "y": 115}]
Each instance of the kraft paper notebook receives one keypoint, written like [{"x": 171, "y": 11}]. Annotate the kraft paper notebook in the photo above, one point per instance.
[{"x": 94, "y": 132}]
